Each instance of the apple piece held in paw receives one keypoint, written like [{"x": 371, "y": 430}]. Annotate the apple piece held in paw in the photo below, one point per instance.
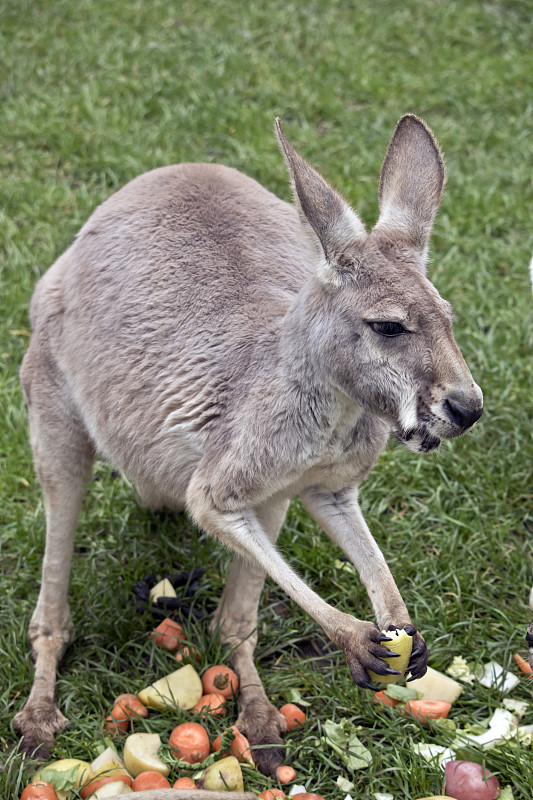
[{"x": 402, "y": 644}]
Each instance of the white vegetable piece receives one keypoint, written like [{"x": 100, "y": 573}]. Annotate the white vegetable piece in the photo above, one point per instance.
[
  {"x": 436, "y": 686},
  {"x": 496, "y": 677},
  {"x": 162, "y": 589}
]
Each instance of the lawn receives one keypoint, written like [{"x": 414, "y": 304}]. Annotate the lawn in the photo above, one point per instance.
[{"x": 93, "y": 93}]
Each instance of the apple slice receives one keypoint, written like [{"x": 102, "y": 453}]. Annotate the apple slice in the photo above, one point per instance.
[
  {"x": 111, "y": 789},
  {"x": 140, "y": 754},
  {"x": 65, "y": 765},
  {"x": 161, "y": 590},
  {"x": 222, "y": 776},
  {"x": 401, "y": 643},
  {"x": 107, "y": 765},
  {"x": 181, "y": 689}
]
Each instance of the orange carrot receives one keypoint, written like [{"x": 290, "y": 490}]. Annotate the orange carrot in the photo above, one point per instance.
[
  {"x": 423, "y": 710},
  {"x": 523, "y": 665},
  {"x": 286, "y": 774}
]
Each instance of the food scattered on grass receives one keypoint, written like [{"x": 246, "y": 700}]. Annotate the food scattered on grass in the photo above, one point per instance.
[
  {"x": 40, "y": 791},
  {"x": 494, "y": 676},
  {"x": 184, "y": 783},
  {"x": 240, "y": 746},
  {"x": 223, "y": 775},
  {"x": 181, "y": 689},
  {"x": 466, "y": 780},
  {"x": 423, "y": 710},
  {"x": 89, "y": 788},
  {"x": 141, "y": 754},
  {"x": 161, "y": 590},
  {"x": 523, "y": 665},
  {"x": 342, "y": 738},
  {"x": 221, "y": 679},
  {"x": 150, "y": 780},
  {"x": 294, "y": 716},
  {"x": 210, "y": 704},
  {"x": 272, "y": 794},
  {"x": 189, "y": 742},
  {"x": 168, "y": 634},
  {"x": 436, "y": 686},
  {"x": 402, "y": 644},
  {"x": 285, "y": 773}
]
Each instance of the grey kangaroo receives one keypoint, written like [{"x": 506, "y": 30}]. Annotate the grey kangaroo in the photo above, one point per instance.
[{"x": 228, "y": 351}]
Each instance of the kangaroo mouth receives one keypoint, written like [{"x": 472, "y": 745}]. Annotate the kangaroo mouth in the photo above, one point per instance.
[{"x": 419, "y": 439}]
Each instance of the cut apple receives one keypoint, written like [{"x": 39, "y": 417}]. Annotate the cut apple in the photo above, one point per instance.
[
  {"x": 110, "y": 789},
  {"x": 141, "y": 754},
  {"x": 222, "y": 776},
  {"x": 402, "y": 644},
  {"x": 161, "y": 590},
  {"x": 181, "y": 689},
  {"x": 65, "y": 765},
  {"x": 107, "y": 765}
]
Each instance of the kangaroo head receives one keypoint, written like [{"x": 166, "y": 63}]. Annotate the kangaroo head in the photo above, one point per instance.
[{"x": 377, "y": 326}]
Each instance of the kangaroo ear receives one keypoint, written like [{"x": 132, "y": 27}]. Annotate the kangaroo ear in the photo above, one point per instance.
[
  {"x": 331, "y": 224},
  {"x": 412, "y": 180}
]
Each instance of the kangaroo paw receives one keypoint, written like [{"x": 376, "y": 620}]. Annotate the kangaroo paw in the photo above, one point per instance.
[
  {"x": 37, "y": 725},
  {"x": 263, "y": 726}
]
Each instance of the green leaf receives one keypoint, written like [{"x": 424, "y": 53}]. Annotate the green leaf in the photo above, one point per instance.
[
  {"x": 342, "y": 738},
  {"x": 402, "y": 693},
  {"x": 294, "y": 696},
  {"x": 506, "y": 794},
  {"x": 62, "y": 779}
]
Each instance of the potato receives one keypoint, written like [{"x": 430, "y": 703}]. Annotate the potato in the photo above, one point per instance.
[
  {"x": 140, "y": 754},
  {"x": 180, "y": 689},
  {"x": 466, "y": 780}
]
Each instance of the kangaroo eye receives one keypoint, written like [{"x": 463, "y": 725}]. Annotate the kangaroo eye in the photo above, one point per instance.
[{"x": 388, "y": 328}]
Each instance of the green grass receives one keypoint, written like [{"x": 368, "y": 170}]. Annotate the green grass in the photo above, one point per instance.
[{"x": 94, "y": 92}]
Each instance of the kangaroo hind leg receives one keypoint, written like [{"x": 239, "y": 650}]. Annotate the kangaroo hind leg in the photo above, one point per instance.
[{"x": 63, "y": 455}]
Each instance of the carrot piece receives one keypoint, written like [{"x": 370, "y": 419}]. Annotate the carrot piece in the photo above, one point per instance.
[
  {"x": 168, "y": 634},
  {"x": 523, "y": 665},
  {"x": 423, "y": 710},
  {"x": 184, "y": 783},
  {"x": 272, "y": 794},
  {"x": 212, "y": 703},
  {"x": 294, "y": 716},
  {"x": 286, "y": 774},
  {"x": 385, "y": 699}
]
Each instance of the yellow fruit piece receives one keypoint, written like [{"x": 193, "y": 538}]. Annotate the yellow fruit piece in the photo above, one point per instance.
[
  {"x": 222, "y": 776},
  {"x": 64, "y": 765},
  {"x": 112, "y": 789},
  {"x": 436, "y": 686},
  {"x": 107, "y": 765},
  {"x": 162, "y": 589},
  {"x": 140, "y": 754},
  {"x": 401, "y": 643},
  {"x": 181, "y": 689}
]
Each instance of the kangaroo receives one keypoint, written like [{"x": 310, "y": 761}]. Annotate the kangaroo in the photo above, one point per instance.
[{"x": 227, "y": 351}]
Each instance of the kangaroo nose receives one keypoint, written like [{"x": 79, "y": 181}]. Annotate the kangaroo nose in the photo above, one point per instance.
[{"x": 461, "y": 416}]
